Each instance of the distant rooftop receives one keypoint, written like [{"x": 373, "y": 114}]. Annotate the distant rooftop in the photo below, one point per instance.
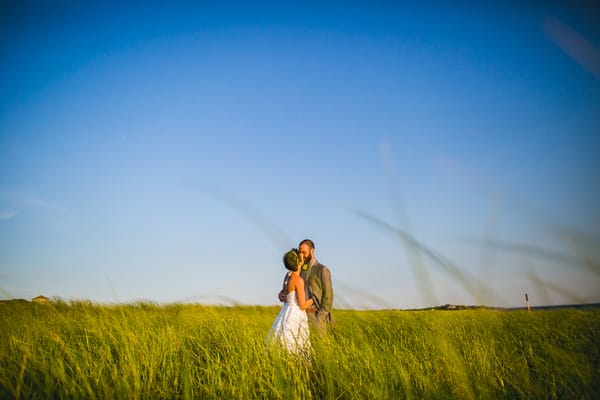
[{"x": 40, "y": 299}]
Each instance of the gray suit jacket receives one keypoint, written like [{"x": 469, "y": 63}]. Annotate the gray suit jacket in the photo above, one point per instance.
[{"x": 318, "y": 283}]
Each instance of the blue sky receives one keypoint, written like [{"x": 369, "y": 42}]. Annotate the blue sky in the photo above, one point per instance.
[{"x": 173, "y": 152}]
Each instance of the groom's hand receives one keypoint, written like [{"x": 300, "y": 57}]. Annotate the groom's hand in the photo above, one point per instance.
[{"x": 282, "y": 296}]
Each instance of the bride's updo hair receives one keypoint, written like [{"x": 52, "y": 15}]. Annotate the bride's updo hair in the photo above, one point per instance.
[{"x": 291, "y": 259}]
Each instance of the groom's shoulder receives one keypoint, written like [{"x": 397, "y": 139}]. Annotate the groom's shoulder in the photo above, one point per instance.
[{"x": 322, "y": 267}]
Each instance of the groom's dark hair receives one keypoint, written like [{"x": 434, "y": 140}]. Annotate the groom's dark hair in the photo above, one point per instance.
[{"x": 307, "y": 242}]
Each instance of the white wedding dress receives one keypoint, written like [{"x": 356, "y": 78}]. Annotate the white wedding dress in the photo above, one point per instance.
[{"x": 290, "y": 327}]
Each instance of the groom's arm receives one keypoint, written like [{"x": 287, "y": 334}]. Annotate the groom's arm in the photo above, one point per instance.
[
  {"x": 283, "y": 292},
  {"x": 327, "y": 298}
]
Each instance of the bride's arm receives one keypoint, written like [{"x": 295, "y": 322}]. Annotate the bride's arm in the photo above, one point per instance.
[{"x": 301, "y": 295}]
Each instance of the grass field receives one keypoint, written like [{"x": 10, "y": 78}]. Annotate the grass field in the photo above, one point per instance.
[{"x": 141, "y": 351}]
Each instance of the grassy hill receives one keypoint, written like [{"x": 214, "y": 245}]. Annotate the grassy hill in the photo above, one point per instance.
[{"x": 140, "y": 351}]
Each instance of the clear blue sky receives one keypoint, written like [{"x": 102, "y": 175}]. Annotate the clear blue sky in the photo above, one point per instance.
[{"x": 174, "y": 152}]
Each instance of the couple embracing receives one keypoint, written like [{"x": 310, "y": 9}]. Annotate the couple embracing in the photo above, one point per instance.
[{"x": 307, "y": 295}]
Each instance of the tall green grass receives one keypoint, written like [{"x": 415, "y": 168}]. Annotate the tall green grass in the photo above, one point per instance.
[{"x": 141, "y": 351}]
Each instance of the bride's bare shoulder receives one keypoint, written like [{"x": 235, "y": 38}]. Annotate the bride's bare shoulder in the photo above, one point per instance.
[{"x": 294, "y": 282}]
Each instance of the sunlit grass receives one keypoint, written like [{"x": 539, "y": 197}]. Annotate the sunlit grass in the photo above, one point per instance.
[{"x": 139, "y": 351}]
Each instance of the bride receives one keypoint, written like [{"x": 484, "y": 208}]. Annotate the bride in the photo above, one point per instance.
[{"x": 290, "y": 327}]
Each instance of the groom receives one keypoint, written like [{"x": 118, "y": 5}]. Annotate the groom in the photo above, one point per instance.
[{"x": 317, "y": 278}]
